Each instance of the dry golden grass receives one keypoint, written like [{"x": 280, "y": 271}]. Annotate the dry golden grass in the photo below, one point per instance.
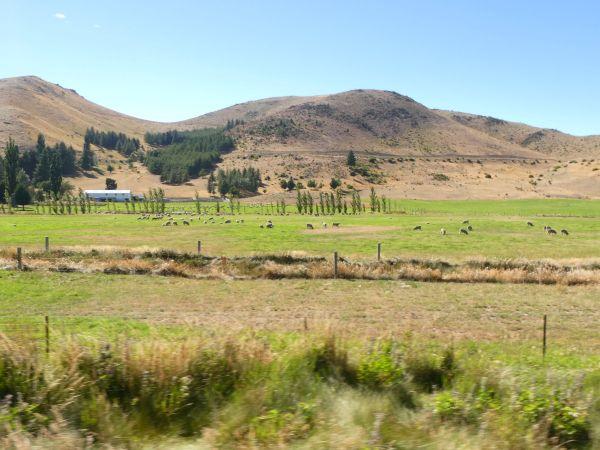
[{"x": 115, "y": 260}]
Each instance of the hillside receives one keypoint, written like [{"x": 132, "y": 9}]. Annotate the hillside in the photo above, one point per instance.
[
  {"x": 543, "y": 140},
  {"x": 405, "y": 148},
  {"x": 29, "y": 105}
]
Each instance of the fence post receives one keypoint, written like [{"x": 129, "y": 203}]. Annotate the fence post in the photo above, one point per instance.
[
  {"x": 335, "y": 264},
  {"x": 544, "y": 338},
  {"x": 379, "y": 251},
  {"x": 47, "y": 244},
  {"x": 47, "y": 329},
  {"x": 199, "y": 247},
  {"x": 19, "y": 259}
]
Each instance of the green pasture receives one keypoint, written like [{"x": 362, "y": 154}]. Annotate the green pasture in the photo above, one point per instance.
[{"x": 499, "y": 231}]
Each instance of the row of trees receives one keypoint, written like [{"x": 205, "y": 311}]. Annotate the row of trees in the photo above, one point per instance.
[
  {"x": 335, "y": 202},
  {"x": 35, "y": 172},
  {"x": 113, "y": 141},
  {"x": 235, "y": 182},
  {"x": 195, "y": 155}
]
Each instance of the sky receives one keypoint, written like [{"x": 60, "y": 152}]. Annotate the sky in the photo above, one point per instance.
[{"x": 530, "y": 61}]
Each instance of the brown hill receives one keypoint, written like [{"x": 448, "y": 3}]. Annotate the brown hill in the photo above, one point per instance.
[
  {"x": 30, "y": 105},
  {"x": 413, "y": 151},
  {"x": 543, "y": 140}
]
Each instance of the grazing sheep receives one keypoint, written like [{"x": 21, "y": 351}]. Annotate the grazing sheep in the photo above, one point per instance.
[
  {"x": 228, "y": 221},
  {"x": 551, "y": 231},
  {"x": 335, "y": 224},
  {"x": 310, "y": 226},
  {"x": 174, "y": 222},
  {"x": 443, "y": 231},
  {"x": 166, "y": 224},
  {"x": 241, "y": 220},
  {"x": 564, "y": 232},
  {"x": 261, "y": 225},
  {"x": 463, "y": 231},
  {"x": 529, "y": 224},
  {"x": 185, "y": 222},
  {"x": 470, "y": 228},
  {"x": 418, "y": 228},
  {"x": 270, "y": 225},
  {"x": 465, "y": 222}
]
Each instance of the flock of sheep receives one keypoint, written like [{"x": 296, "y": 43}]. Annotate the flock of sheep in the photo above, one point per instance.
[
  {"x": 466, "y": 230},
  {"x": 189, "y": 218}
]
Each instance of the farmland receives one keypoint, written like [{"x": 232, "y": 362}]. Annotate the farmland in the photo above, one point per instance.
[
  {"x": 271, "y": 351},
  {"x": 500, "y": 231}
]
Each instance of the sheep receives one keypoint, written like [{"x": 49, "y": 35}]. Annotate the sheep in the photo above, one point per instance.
[
  {"x": 564, "y": 232},
  {"x": 310, "y": 226},
  {"x": 470, "y": 228},
  {"x": 465, "y": 222},
  {"x": 166, "y": 224},
  {"x": 270, "y": 225},
  {"x": 463, "y": 231},
  {"x": 185, "y": 222},
  {"x": 335, "y": 224},
  {"x": 228, "y": 221},
  {"x": 551, "y": 231},
  {"x": 443, "y": 231},
  {"x": 418, "y": 228},
  {"x": 174, "y": 222},
  {"x": 261, "y": 225},
  {"x": 529, "y": 224}
]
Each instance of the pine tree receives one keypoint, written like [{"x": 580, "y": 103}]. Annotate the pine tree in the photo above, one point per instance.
[
  {"x": 87, "y": 157},
  {"x": 351, "y": 159},
  {"x": 373, "y": 199},
  {"x": 55, "y": 173},
  {"x": 211, "y": 183},
  {"x": 11, "y": 168}
]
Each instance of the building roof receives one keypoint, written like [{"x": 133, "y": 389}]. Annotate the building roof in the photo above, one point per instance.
[{"x": 106, "y": 191}]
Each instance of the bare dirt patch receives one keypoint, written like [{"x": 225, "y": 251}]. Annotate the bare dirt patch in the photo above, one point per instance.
[{"x": 350, "y": 230}]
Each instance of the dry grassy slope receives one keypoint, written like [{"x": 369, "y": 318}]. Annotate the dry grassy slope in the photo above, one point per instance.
[
  {"x": 544, "y": 140},
  {"x": 29, "y": 105},
  {"x": 364, "y": 120},
  {"x": 308, "y": 138}
]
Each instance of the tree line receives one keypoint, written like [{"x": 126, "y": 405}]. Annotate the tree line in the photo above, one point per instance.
[
  {"x": 235, "y": 182},
  {"x": 336, "y": 202},
  {"x": 193, "y": 156},
  {"x": 113, "y": 141},
  {"x": 33, "y": 173}
]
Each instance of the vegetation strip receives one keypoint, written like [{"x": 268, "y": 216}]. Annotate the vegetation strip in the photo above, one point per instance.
[{"x": 289, "y": 265}]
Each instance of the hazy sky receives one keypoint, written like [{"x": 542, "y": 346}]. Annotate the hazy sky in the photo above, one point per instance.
[{"x": 532, "y": 61}]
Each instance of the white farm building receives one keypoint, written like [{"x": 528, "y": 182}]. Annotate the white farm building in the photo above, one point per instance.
[{"x": 103, "y": 195}]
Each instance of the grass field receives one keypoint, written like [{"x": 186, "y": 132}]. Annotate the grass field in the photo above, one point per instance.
[
  {"x": 497, "y": 313},
  {"x": 162, "y": 362},
  {"x": 500, "y": 231},
  {"x": 148, "y": 361}
]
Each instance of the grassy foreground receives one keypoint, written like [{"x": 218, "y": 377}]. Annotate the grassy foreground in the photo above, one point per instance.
[
  {"x": 265, "y": 390},
  {"x": 163, "y": 362}
]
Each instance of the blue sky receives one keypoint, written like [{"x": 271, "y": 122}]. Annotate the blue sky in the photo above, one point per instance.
[{"x": 532, "y": 61}]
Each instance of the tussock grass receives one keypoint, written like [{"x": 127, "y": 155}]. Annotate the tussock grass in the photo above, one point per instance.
[
  {"x": 279, "y": 390},
  {"x": 289, "y": 265}
]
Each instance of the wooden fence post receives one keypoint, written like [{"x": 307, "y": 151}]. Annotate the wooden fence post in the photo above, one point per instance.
[
  {"x": 47, "y": 244},
  {"x": 379, "y": 251},
  {"x": 19, "y": 259},
  {"x": 544, "y": 338},
  {"x": 335, "y": 264},
  {"x": 199, "y": 247},
  {"x": 47, "y": 329}
]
